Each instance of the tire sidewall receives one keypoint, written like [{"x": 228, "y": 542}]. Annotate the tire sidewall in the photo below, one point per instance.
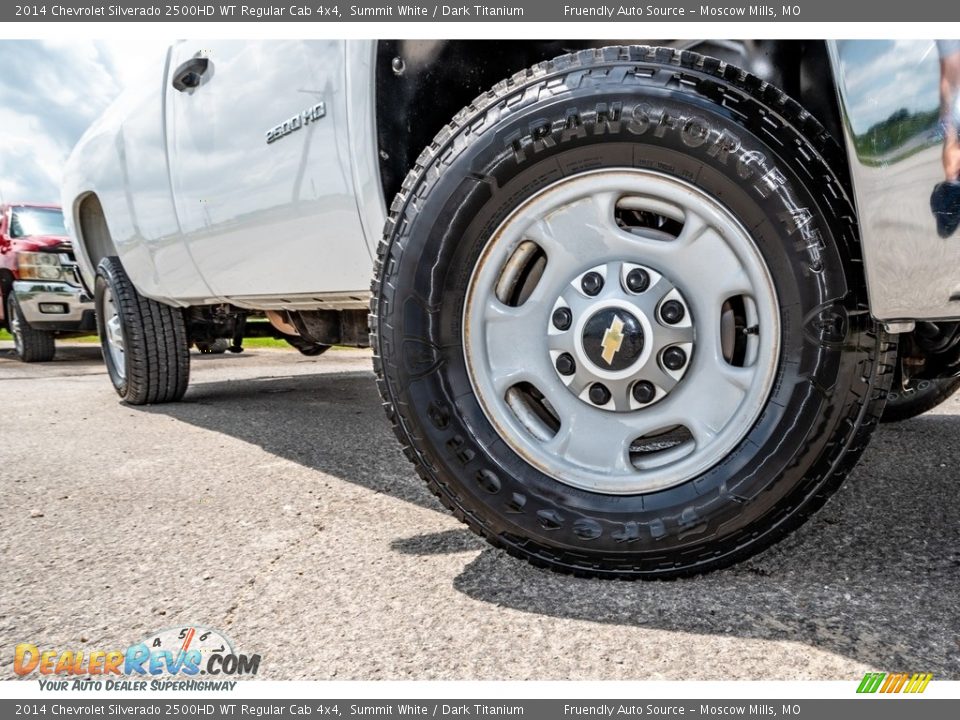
[
  {"x": 30, "y": 345},
  {"x": 13, "y": 312},
  {"x": 481, "y": 185}
]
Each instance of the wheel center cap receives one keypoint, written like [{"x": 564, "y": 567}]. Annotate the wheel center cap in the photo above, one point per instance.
[{"x": 613, "y": 339}]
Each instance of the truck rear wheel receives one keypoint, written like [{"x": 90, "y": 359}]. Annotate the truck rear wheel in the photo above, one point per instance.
[
  {"x": 619, "y": 318},
  {"x": 144, "y": 342},
  {"x": 915, "y": 397},
  {"x": 29, "y": 344},
  {"x": 217, "y": 346}
]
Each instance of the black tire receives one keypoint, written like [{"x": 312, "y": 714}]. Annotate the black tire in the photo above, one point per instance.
[
  {"x": 905, "y": 401},
  {"x": 310, "y": 349},
  {"x": 156, "y": 350},
  {"x": 5, "y": 323},
  {"x": 30, "y": 345},
  {"x": 217, "y": 347},
  {"x": 835, "y": 364}
]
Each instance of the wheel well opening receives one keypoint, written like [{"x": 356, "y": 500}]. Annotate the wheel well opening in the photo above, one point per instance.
[
  {"x": 423, "y": 83},
  {"x": 93, "y": 231},
  {"x": 6, "y": 283}
]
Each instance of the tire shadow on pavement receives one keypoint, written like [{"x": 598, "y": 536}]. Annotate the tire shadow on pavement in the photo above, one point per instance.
[
  {"x": 330, "y": 422},
  {"x": 873, "y": 576}
]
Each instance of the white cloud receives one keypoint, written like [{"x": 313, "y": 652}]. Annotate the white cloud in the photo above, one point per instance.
[
  {"x": 50, "y": 92},
  {"x": 910, "y": 66}
]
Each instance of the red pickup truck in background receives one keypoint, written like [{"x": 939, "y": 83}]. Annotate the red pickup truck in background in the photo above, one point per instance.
[{"x": 40, "y": 287}]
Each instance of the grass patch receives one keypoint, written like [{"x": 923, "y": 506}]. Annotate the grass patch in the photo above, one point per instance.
[
  {"x": 4, "y": 335},
  {"x": 267, "y": 342}
]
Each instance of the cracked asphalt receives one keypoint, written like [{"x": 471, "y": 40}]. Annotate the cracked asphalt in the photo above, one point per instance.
[{"x": 274, "y": 504}]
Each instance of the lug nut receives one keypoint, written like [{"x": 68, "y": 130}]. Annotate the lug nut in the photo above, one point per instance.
[
  {"x": 562, "y": 317},
  {"x": 674, "y": 358},
  {"x": 672, "y": 312},
  {"x": 599, "y": 395},
  {"x": 644, "y": 392},
  {"x": 638, "y": 280},
  {"x": 566, "y": 365},
  {"x": 592, "y": 283}
]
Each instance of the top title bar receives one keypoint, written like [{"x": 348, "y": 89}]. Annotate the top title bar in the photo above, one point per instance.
[{"x": 515, "y": 11}]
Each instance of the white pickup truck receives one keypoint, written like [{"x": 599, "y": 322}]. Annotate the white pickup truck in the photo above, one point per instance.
[{"x": 635, "y": 310}]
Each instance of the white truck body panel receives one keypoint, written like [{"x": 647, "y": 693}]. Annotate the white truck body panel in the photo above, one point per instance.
[{"x": 192, "y": 190}]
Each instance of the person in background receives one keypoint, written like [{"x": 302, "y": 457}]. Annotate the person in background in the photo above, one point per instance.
[
  {"x": 945, "y": 200},
  {"x": 949, "y": 85}
]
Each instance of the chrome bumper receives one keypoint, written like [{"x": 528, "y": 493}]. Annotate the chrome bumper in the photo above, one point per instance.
[
  {"x": 890, "y": 99},
  {"x": 51, "y": 302}
]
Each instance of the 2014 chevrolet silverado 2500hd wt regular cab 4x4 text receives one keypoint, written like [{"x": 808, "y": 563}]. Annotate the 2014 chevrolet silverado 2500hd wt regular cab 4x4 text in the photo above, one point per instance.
[{"x": 635, "y": 309}]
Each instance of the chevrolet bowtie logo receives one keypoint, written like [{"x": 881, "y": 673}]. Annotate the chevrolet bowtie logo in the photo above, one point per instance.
[{"x": 612, "y": 340}]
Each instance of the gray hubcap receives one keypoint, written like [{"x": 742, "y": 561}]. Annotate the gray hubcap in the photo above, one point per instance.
[
  {"x": 114, "y": 334},
  {"x": 618, "y": 338},
  {"x": 621, "y": 331}
]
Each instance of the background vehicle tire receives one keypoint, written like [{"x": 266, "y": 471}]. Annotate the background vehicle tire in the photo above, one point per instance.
[
  {"x": 650, "y": 115},
  {"x": 917, "y": 397},
  {"x": 144, "y": 342},
  {"x": 29, "y": 344},
  {"x": 310, "y": 349},
  {"x": 217, "y": 347}
]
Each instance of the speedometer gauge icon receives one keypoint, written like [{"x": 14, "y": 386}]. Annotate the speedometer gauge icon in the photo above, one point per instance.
[{"x": 181, "y": 640}]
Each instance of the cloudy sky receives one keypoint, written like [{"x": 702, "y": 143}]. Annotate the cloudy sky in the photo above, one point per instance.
[
  {"x": 50, "y": 91},
  {"x": 874, "y": 66}
]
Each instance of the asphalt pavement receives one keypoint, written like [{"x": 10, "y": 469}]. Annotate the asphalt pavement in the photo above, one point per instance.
[{"x": 273, "y": 504}]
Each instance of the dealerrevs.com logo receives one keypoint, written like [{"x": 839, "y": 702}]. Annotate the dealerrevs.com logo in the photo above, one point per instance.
[
  {"x": 894, "y": 683},
  {"x": 185, "y": 652}
]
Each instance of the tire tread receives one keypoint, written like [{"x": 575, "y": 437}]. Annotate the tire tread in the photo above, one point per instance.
[{"x": 156, "y": 345}]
